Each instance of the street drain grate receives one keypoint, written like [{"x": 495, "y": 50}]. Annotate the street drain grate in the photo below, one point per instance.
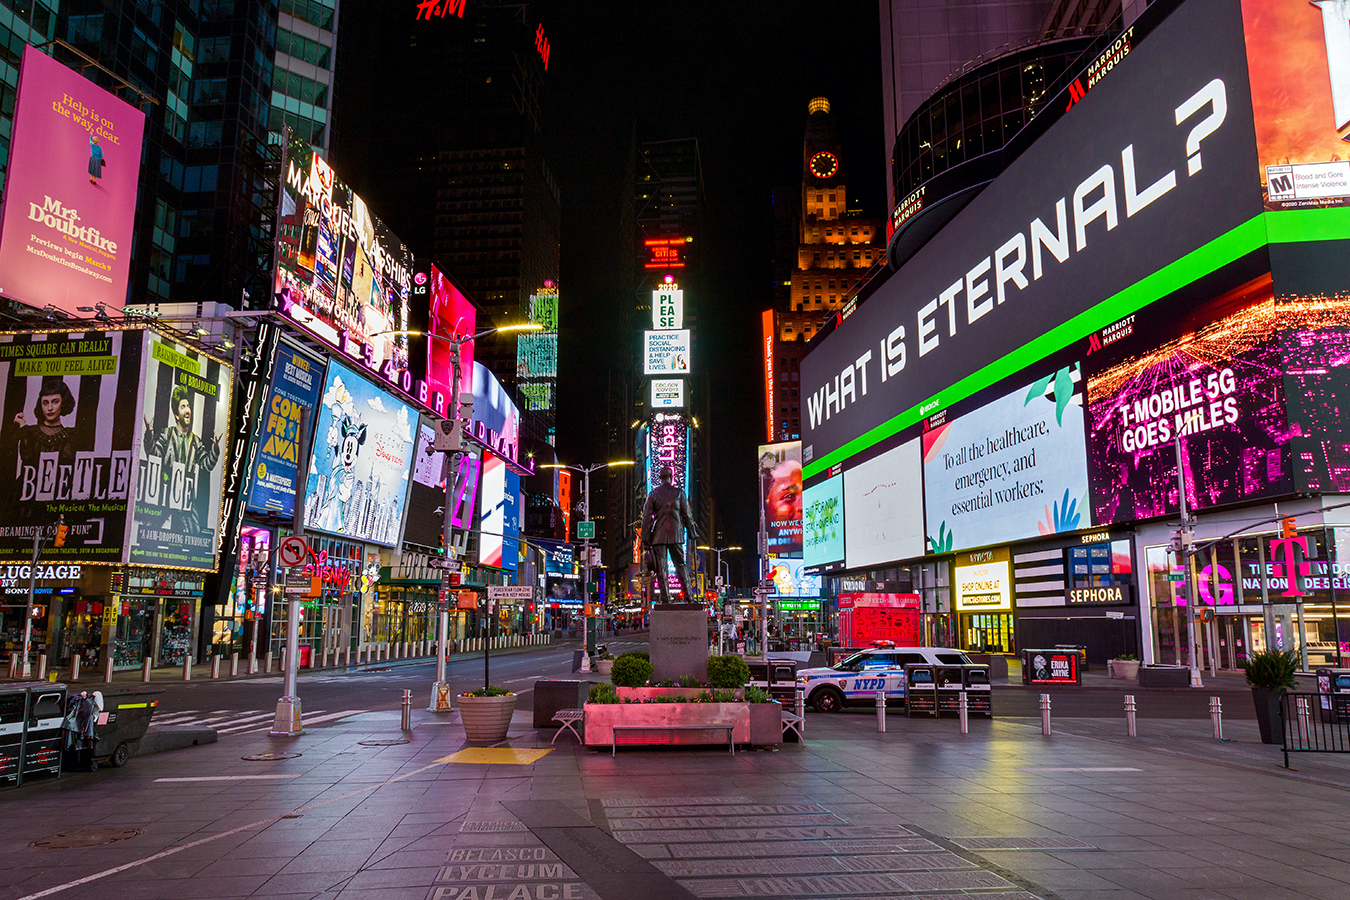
[
  {"x": 85, "y": 837},
  {"x": 1020, "y": 843},
  {"x": 384, "y": 742},
  {"x": 264, "y": 757}
]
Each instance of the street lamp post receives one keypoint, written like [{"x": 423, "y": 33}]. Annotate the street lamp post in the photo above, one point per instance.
[
  {"x": 440, "y": 691},
  {"x": 726, "y": 582},
  {"x": 586, "y": 548}
]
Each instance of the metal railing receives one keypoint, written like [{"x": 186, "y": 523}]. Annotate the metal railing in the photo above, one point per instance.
[{"x": 1314, "y": 723}]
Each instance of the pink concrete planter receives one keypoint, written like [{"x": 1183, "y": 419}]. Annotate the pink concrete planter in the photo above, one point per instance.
[
  {"x": 634, "y": 695},
  {"x": 602, "y": 717},
  {"x": 486, "y": 718}
]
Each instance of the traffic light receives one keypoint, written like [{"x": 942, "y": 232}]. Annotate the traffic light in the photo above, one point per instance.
[
  {"x": 1288, "y": 527},
  {"x": 37, "y": 612},
  {"x": 62, "y": 530}
]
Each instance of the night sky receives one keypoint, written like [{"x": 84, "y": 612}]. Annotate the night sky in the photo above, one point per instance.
[{"x": 736, "y": 75}]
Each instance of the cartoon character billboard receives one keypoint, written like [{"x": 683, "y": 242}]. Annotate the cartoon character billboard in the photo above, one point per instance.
[
  {"x": 184, "y": 432},
  {"x": 359, "y": 464},
  {"x": 70, "y": 190},
  {"x": 67, "y": 442}
]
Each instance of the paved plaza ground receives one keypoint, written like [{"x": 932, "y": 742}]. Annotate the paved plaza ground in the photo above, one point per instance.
[{"x": 366, "y": 810}]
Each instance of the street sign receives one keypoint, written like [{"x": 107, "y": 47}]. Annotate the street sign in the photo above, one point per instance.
[
  {"x": 718, "y": 581},
  {"x": 293, "y": 551},
  {"x": 510, "y": 592},
  {"x": 440, "y": 562},
  {"x": 585, "y": 531},
  {"x": 1176, "y": 576},
  {"x": 306, "y": 586}
]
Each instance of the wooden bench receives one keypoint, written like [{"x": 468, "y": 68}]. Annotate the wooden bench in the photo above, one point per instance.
[
  {"x": 569, "y": 719},
  {"x": 727, "y": 728}
]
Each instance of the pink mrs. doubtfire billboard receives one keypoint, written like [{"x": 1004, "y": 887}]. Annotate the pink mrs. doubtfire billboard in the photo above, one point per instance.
[{"x": 70, "y": 192}]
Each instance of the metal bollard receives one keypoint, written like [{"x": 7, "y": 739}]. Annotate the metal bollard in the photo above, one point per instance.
[
  {"x": 42, "y": 667},
  {"x": 215, "y": 666},
  {"x": 187, "y": 667},
  {"x": 348, "y": 654},
  {"x": 13, "y": 663},
  {"x": 75, "y": 667},
  {"x": 323, "y": 661},
  {"x": 1045, "y": 714},
  {"x": 407, "y": 710},
  {"x": 107, "y": 671},
  {"x": 253, "y": 664},
  {"x": 267, "y": 669},
  {"x": 801, "y": 701},
  {"x": 234, "y": 664},
  {"x": 881, "y": 712},
  {"x": 145, "y": 670},
  {"x": 963, "y": 711},
  {"x": 1216, "y": 716},
  {"x": 1129, "y": 715},
  {"x": 1302, "y": 715}
]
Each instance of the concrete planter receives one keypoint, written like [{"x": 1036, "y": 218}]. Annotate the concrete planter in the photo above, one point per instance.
[
  {"x": 1124, "y": 669},
  {"x": 486, "y": 718},
  {"x": 766, "y": 724},
  {"x": 602, "y": 717},
  {"x": 636, "y": 695},
  {"x": 604, "y": 666}
]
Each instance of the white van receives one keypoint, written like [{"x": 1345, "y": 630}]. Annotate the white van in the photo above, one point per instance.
[{"x": 857, "y": 678}]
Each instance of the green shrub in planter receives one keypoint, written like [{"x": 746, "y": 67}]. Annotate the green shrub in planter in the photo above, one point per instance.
[
  {"x": 603, "y": 693},
  {"x": 631, "y": 670},
  {"x": 757, "y": 695},
  {"x": 1272, "y": 669},
  {"x": 727, "y": 672},
  {"x": 492, "y": 690}
]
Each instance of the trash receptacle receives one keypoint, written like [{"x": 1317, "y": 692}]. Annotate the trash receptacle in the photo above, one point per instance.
[
  {"x": 552, "y": 695},
  {"x": 920, "y": 690},
  {"x": 306, "y": 651},
  {"x": 979, "y": 693},
  {"x": 30, "y": 730},
  {"x": 950, "y": 683},
  {"x": 1334, "y": 686},
  {"x": 122, "y": 724}
]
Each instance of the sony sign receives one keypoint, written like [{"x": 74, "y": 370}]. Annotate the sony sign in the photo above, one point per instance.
[{"x": 1152, "y": 164}]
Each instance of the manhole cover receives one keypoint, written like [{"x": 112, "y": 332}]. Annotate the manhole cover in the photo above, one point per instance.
[
  {"x": 85, "y": 837},
  {"x": 391, "y": 742},
  {"x": 263, "y": 757}
]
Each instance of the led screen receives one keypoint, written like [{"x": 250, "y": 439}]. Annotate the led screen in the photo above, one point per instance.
[
  {"x": 823, "y": 523},
  {"x": 884, "y": 499},
  {"x": 666, "y": 352},
  {"x": 780, "y": 484},
  {"x": 497, "y": 522},
  {"x": 1012, "y": 469},
  {"x": 426, "y": 493},
  {"x": 296, "y": 382},
  {"x": 789, "y": 579}
]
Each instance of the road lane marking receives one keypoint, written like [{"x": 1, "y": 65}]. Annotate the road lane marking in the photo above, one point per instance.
[
  {"x": 1078, "y": 769},
  {"x": 228, "y": 778},
  {"x": 304, "y": 720}
]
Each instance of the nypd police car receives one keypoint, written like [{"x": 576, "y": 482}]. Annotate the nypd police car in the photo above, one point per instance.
[{"x": 857, "y": 678}]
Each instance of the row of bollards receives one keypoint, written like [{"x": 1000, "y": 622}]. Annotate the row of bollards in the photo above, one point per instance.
[{"x": 1131, "y": 709}]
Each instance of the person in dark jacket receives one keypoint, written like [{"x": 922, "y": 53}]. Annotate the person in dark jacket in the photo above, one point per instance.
[{"x": 665, "y": 516}]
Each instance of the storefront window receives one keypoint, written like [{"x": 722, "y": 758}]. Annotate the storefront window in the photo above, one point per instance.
[
  {"x": 133, "y": 633},
  {"x": 1169, "y": 624}
]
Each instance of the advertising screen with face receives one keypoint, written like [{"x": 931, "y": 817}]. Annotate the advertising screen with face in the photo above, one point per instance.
[
  {"x": 68, "y": 442},
  {"x": 360, "y": 460},
  {"x": 780, "y": 476},
  {"x": 1013, "y": 468},
  {"x": 1214, "y": 378},
  {"x": 884, "y": 498},
  {"x": 823, "y": 524},
  {"x": 70, "y": 190},
  {"x": 185, "y": 430},
  {"x": 296, "y": 381}
]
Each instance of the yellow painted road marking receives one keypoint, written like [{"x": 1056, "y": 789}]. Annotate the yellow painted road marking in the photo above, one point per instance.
[{"x": 501, "y": 756}]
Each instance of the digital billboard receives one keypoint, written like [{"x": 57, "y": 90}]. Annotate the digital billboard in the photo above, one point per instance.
[
  {"x": 499, "y": 523},
  {"x": 342, "y": 274},
  {"x": 789, "y": 579},
  {"x": 884, "y": 499},
  {"x": 666, "y": 352},
  {"x": 1012, "y": 469},
  {"x": 1299, "y": 57},
  {"x": 667, "y": 393},
  {"x": 185, "y": 431},
  {"x": 780, "y": 484},
  {"x": 823, "y": 524},
  {"x": 667, "y": 308},
  {"x": 70, "y": 190},
  {"x": 68, "y": 442},
  {"x": 359, "y": 464},
  {"x": 496, "y": 420},
  {"x": 449, "y": 315},
  {"x": 296, "y": 381},
  {"x": 1148, "y": 169},
  {"x": 983, "y": 581},
  {"x": 426, "y": 494},
  {"x": 668, "y": 445},
  {"x": 1215, "y": 379}
]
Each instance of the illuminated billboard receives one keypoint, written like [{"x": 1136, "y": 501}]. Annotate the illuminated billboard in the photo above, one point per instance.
[
  {"x": 185, "y": 423},
  {"x": 426, "y": 494},
  {"x": 766, "y": 345},
  {"x": 667, "y": 308},
  {"x": 537, "y": 352},
  {"x": 983, "y": 581},
  {"x": 823, "y": 525},
  {"x": 496, "y": 420},
  {"x": 1013, "y": 468},
  {"x": 68, "y": 442},
  {"x": 884, "y": 499},
  {"x": 780, "y": 484},
  {"x": 790, "y": 581},
  {"x": 360, "y": 461},
  {"x": 665, "y": 253},
  {"x": 296, "y": 381},
  {"x": 667, "y": 393},
  {"x": 666, "y": 352},
  {"x": 70, "y": 191},
  {"x": 499, "y": 523},
  {"x": 449, "y": 315},
  {"x": 1147, "y": 171},
  {"x": 668, "y": 445}
]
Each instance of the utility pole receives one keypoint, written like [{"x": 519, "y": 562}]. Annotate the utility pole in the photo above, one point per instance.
[
  {"x": 1185, "y": 549},
  {"x": 762, "y": 589},
  {"x": 28, "y": 612},
  {"x": 454, "y": 457},
  {"x": 286, "y": 722}
]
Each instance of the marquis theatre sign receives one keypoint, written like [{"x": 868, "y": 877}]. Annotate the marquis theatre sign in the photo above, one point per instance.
[{"x": 1155, "y": 163}]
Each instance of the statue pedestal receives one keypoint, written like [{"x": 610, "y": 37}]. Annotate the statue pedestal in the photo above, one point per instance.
[{"x": 679, "y": 641}]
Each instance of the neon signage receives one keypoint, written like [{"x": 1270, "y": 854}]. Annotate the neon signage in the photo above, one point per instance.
[
  {"x": 426, "y": 9},
  {"x": 665, "y": 253},
  {"x": 540, "y": 42}
]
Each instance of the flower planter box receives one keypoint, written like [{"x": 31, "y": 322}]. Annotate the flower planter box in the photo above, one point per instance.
[
  {"x": 604, "y": 666},
  {"x": 1124, "y": 669},
  {"x": 602, "y": 717},
  {"x": 486, "y": 718},
  {"x": 634, "y": 695},
  {"x": 1164, "y": 676}
]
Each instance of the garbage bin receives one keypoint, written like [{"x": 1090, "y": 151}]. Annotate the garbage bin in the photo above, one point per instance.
[
  {"x": 979, "y": 694},
  {"x": 306, "y": 651},
  {"x": 950, "y": 683},
  {"x": 920, "y": 690},
  {"x": 1334, "y": 686},
  {"x": 30, "y": 730},
  {"x": 122, "y": 724}
]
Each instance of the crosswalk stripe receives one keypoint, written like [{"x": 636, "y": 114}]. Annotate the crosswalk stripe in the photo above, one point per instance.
[{"x": 306, "y": 721}]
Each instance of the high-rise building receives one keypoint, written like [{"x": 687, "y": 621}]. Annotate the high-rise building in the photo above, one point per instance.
[
  {"x": 833, "y": 246},
  {"x": 20, "y": 23},
  {"x": 303, "y": 81}
]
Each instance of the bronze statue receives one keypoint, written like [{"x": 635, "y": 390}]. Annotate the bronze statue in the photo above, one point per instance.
[{"x": 665, "y": 516}]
